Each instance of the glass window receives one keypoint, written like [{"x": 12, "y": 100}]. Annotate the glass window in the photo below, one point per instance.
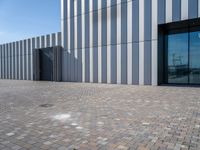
[
  {"x": 177, "y": 66},
  {"x": 194, "y": 57}
]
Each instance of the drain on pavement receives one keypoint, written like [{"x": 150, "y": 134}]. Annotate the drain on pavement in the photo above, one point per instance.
[{"x": 46, "y": 105}]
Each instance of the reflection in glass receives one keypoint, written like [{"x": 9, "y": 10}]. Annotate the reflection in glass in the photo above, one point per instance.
[
  {"x": 178, "y": 58},
  {"x": 194, "y": 63}
]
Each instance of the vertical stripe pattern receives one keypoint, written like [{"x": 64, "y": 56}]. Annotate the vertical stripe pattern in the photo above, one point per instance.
[{"x": 16, "y": 57}]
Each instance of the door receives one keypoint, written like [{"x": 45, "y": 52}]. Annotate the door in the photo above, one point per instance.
[
  {"x": 46, "y": 64},
  {"x": 194, "y": 56}
]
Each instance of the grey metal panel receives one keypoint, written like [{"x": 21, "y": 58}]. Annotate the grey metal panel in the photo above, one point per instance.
[
  {"x": 87, "y": 6},
  {"x": 135, "y": 61},
  {"x": 95, "y": 5},
  {"x": 3, "y": 61},
  {"x": 75, "y": 65},
  {"x": 79, "y": 32},
  {"x": 59, "y": 39},
  {"x": 113, "y": 64},
  {"x": 104, "y": 64},
  {"x": 42, "y": 41},
  {"x": 113, "y": 24},
  {"x": 147, "y": 19},
  {"x": 104, "y": 4},
  {"x": 13, "y": 60},
  {"x": 47, "y": 41},
  {"x": 176, "y": 10},
  {"x": 79, "y": 7},
  {"x": 36, "y": 62},
  {"x": 20, "y": 61},
  {"x": 79, "y": 65},
  {"x": 147, "y": 63},
  {"x": 113, "y": 2},
  {"x": 95, "y": 64},
  {"x": 104, "y": 26},
  {"x": 53, "y": 39},
  {"x": 161, "y": 11},
  {"x": 71, "y": 8},
  {"x": 37, "y": 42},
  {"x": 123, "y": 23},
  {"x": 193, "y": 9},
  {"x": 6, "y": 62},
  {"x": 17, "y": 60},
  {"x": 87, "y": 65},
  {"x": 135, "y": 19},
  {"x": 124, "y": 63},
  {"x": 9, "y": 61},
  {"x": 25, "y": 59},
  {"x": 64, "y": 65},
  {"x": 68, "y": 63},
  {"x": 63, "y": 9},
  {"x": 95, "y": 27},
  {"x": 72, "y": 62},
  {"x": 28, "y": 59},
  {"x": 87, "y": 31}
]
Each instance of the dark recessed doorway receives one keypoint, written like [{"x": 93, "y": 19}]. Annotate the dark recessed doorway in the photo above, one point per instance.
[
  {"x": 47, "y": 64},
  {"x": 179, "y": 52}
]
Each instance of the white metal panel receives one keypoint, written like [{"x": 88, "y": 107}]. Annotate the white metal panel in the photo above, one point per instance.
[
  {"x": 108, "y": 42},
  {"x": 154, "y": 53},
  {"x": 91, "y": 40},
  {"x": 119, "y": 41},
  {"x": 99, "y": 42},
  {"x": 75, "y": 25},
  {"x": 83, "y": 40},
  {"x": 168, "y": 11},
  {"x": 141, "y": 42},
  {"x": 129, "y": 40},
  {"x": 154, "y": 62},
  {"x": 184, "y": 9},
  {"x": 198, "y": 8}
]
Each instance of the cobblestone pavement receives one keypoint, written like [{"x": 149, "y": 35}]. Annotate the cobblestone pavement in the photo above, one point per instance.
[{"x": 74, "y": 116}]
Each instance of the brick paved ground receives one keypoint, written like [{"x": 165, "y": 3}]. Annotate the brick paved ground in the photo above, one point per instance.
[{"x": 97, "y": 116}]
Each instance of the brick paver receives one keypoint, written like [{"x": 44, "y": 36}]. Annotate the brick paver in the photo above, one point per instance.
[{"x": 74, "y": 116}]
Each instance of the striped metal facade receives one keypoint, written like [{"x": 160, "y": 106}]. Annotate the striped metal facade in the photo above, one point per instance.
[
  {"x": 115, "y": 41},
  {"x": 104, "y": 41},
  {"x": 16, "y": 57}
]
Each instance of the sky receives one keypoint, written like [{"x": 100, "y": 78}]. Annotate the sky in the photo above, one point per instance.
[{"x": 22, "y": 19}]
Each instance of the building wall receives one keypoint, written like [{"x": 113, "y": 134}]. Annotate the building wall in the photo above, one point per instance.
[
  {"x": 16, "y": 57},
  {"x": 115, "y": 41}
]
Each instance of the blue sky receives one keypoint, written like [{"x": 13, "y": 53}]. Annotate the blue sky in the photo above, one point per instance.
[{"x": 21, "y": 19}]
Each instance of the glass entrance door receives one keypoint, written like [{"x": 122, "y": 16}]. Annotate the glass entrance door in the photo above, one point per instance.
[
  {"x": 183, "y": 58},
  {"x": 194, "y": 58}
]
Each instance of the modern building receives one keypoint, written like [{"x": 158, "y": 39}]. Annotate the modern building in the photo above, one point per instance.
[{"x": 140, "y": 42}]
